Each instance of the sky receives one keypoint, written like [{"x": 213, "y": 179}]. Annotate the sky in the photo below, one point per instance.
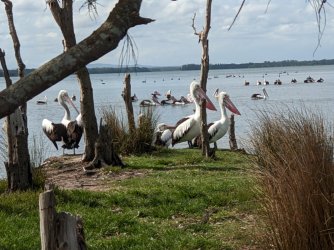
[{"x": 286, "y": 31}]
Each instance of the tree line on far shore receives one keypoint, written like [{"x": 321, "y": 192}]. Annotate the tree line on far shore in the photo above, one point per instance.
[{"x": 185, "y": 67}]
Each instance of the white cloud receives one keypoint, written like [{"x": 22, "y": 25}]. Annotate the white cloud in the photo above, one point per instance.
[{"x": 287, "y": 29}]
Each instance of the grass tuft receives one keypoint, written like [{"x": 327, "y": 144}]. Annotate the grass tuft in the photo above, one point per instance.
[
  {"x": 295, "y": 172},
  {"x": 131, "y": 142}
]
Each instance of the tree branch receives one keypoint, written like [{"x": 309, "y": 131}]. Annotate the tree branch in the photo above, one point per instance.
[{"x": 105, "y": 39}]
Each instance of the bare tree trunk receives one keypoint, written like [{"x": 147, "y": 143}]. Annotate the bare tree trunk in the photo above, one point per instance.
[
  {"x": 203, "y": 38},
  {"x": 18, "y": 168},
  {"x": 64, "y": 18},
  {"x": 103, "y": 40},
  {"x": 233, "y": 140},
  {"x": 128, "y": 102}
]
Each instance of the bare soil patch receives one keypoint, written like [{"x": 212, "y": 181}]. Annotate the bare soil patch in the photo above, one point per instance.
[{"x": 67, "y": 172}]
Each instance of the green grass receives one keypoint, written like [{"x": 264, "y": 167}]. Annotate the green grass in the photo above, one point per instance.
[{"x": 182, "y": 202}]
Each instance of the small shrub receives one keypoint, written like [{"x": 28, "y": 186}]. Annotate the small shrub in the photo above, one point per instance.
[
  {"x": 131, "y": 142},
  {"x": 295, "y": 172}
]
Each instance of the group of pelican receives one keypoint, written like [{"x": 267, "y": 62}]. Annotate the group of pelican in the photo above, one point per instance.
[
  {"x": 170, "y": 100},
  {"x": 68, "y": 131},
  {"x": 188, "y": 128}
]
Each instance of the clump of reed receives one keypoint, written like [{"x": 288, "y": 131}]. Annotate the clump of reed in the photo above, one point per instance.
[
  {"x": 131, "y": 141},
  {"x": 293, "y": 151}
]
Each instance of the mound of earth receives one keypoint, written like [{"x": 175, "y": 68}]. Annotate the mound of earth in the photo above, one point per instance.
[{"x": 68, "y": 172}]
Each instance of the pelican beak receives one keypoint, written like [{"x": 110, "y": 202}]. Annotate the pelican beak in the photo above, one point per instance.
[
  {"x": 230, "y": 106},
  {"x": 209, "y": 104},
  {"x": 215, "y": 94},
  {"x": 68, "y": 99}
]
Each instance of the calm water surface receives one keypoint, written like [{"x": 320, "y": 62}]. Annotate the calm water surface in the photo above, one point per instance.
[{"x": 317, "y": 96}]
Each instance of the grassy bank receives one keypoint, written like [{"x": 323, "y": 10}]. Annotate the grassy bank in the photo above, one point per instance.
[{"x": 181, "y": 202}]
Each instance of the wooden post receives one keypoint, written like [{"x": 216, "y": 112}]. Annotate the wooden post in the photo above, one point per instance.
[
  {"x": 233, "y": 140},
  {"x": 59, "y": 231},
  {"x": 47, "y": 214}
]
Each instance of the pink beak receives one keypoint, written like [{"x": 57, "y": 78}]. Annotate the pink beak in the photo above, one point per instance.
[
  {"x": 209, "y": 104},
  {"x": 229, "y": 104}
]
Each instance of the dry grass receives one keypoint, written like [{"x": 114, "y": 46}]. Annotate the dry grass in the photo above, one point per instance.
[
  {"x": 131, "y": 142},
  {"x": 294, "y": 159}
]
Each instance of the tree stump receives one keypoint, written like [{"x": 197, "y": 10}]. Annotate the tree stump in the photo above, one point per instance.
[
  {"x": 59, "y": 230},
  {"x": 104, "y": 150}
]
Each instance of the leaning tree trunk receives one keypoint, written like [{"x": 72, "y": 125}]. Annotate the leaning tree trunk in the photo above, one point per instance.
[
  {"x": 203, "y": 38},
  {"x": 106, "y": 38},
  {"x": 19, "y": 174},
  {"x": 64, "y": 18}
]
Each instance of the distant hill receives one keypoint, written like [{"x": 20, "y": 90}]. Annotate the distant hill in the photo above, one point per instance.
[{"x": 99, "y": 68}]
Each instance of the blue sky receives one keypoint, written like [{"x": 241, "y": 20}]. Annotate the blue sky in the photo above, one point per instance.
[{"x": 288, "y": 30}]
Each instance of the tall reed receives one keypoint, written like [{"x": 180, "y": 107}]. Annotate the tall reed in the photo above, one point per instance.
[{"x": 293, "y": 149}]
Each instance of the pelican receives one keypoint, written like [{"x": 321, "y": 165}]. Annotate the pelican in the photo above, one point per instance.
[
  {"x": 163, "y": 135},
  {"x": 154, "y": 100},
  {"x": 68, "y": 131},
  {"x": 189, "y": 127},
  {"x": 44, "y": 101},
  {"x": 219, "y": 128},
  {"x": 259, "y": 96}
]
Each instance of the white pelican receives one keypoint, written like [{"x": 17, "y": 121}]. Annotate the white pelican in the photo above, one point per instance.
[
  {"x": 219, "y": 128},
  {"x": 259, "y": 96},
  {"x": 154, "y": 100},
  {"x": 189, "y": 127},
  {"x": 163, "y": 135},
  {"x": 44, "y": 101},
  {"x": 68, "y": 131}
]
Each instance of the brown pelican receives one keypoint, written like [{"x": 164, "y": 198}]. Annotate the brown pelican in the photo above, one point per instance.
[
  {"x": 68, "y": 131},
  {"x": 259, "y": 96},
  {"x": 189, "y": 127}
]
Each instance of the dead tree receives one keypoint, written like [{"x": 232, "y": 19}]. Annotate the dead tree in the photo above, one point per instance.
[
  {"x": 64, "y": 18},
  {"x": 128, "y": 102},
  {"x": 231, "y": 131},
  {"x": 18, "y": 167},
  {"x": 203, "y": 39}
]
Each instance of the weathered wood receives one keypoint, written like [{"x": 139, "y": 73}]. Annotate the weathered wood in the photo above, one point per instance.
[
  {"x": 233, "y": 140},
  {"x": 128, "y": 102},
  {"x": 62, "y": 230},
  {"x": 203, "y": 39},
  {"x": 19, "y": 174},
  {"x": 68, "y": 233},
  {"x": 104, "y": 150},
  {"x": 47, "y": 214}
]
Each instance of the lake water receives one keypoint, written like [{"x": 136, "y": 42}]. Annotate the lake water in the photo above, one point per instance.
[{"x": 318, "y": 96}]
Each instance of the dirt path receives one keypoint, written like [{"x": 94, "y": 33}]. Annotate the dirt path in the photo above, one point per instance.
[{"x": 67, "y": 172}]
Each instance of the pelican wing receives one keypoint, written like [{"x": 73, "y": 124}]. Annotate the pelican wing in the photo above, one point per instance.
[
  {"x": 212, "y": 129},
  {"x": 54, "y": 131},
  {"x": 183, "y": 127},
  {"x": 74, "y": 133}
]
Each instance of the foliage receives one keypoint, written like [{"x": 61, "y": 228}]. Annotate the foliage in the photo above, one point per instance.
[
  {"x": 193, "y": 203},
  {"x": 131, "y": 142},
  {"x": 295, "y": 172}
]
